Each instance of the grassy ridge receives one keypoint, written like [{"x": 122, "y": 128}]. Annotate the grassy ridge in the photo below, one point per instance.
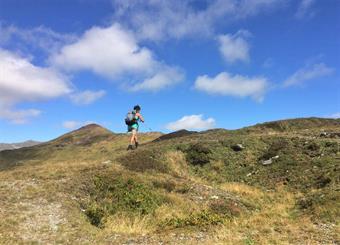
[{"x": 192, "y": 187}]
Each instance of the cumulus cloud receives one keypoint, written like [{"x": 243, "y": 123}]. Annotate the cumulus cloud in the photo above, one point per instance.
[
  {"x": 233, "y": 85},
  {"x": 305, "y": 9},
  {"x": 74, "y": 124},
  {"x": 192, "y": 122},
  {"x": 18, "y": 116},
  {"x": 166, "y": 77},
  {"x": 87, "y": 97},
  {"x": 21, "y": 81},
  {"x": 309, "y": 72},
  {"x": 113, "y": 52},
  {"x": 109, "y": 51},
  {"x": 40, "y": 37},
  {"x": 156, "y": 20},
  {"x": 234, "y": 47}
]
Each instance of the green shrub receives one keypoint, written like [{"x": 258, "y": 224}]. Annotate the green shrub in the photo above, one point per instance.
[
  {"x": 110, "y": 196},
  {"x": 322, "y": 205},
  {"x": 275, "y": 148},
  {"x": 198, "y": 154},
  {"x": 312, "y": 149},
  {"x": 144, "y": 160},
  {"x": 95, "y": 214},
  {"x": 331, "y": 147},
  {"x": 204, "y": 218}
]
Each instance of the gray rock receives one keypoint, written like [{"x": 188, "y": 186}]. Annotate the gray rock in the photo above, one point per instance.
[
  {"x": 323, "y": 134},
  {"x": 237, "y": 147},
  {"x": 267, "y": 162},
  {"x": 270, "y": 160},
  {"x": 107, "y": 162}
]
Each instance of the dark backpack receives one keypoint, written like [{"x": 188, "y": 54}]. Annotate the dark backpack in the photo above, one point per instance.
[{"x": 130, "y": 118}]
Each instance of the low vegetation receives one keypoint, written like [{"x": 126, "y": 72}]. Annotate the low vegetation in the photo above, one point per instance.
[
  {"x": 274, "y": 183},
  {"x": 111, "y": 195}
]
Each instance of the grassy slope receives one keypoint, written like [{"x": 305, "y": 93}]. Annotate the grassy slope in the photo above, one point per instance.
[{"x": 192, "y": 188}]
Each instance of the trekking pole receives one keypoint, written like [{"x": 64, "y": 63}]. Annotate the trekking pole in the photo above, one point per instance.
[{"x": 148, "y": 127}]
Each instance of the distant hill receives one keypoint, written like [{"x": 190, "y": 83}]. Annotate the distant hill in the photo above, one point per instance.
[
  {"x": 85, "y": 135},
  {"x": 5, "y": 146},
  {"x": 176, "y": 134},
  {"x": 88, "y": 142},
  {"x": 297, "y": 124}
]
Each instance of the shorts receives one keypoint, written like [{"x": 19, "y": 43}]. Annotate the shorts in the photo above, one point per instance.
[{"x": 132, "y": 130}]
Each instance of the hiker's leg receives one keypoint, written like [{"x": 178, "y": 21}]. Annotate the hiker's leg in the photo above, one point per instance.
[
  {"x": 136, "y": 138},
  {"x": 133, "y": 137}
]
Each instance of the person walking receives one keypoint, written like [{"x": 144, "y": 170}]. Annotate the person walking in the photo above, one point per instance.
[{"x": 132, "y": 120}]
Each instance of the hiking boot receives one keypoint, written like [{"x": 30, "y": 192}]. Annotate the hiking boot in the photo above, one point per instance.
[
  {"x": 129, "y": 148},
  {"x": 136, "y": 144}
]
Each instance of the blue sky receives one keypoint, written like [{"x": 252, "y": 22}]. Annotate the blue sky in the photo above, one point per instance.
[{"x": 189, "y": 64}]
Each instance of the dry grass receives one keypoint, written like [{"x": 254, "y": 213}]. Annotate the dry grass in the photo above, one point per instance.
[
  {"x": 246, "y": 191},
  {"x": 177, "y": 163},
  {"x": 131, "y": 225},
  {"x": 40, "y": 201},
  {"x": 274, "y": 223},
  {"x": 147, "y": 224}
]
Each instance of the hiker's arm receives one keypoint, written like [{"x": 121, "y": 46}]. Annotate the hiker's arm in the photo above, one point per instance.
[{"x": 140, "y": 117}]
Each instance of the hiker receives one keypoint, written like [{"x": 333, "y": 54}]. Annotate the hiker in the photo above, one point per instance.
[{"x": 132, "y": 121}]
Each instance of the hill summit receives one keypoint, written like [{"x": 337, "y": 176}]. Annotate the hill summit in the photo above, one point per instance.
[{"x": 85, "y": 135}]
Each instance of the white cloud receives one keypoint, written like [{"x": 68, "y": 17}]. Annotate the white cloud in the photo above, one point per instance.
[
  {"x": 18, "y": 116},
  {"x": 113, "y": 52},
  {"x": 39, "y": 37},
  {"x": 192, "y": 122},
  {"x": 166, "y": 77},
  {"x": 156, "y": 20},
  {"x": 305, "y": 9},
  {"x": 87, "y": 97},
  {"x": 22, "y": 81},
  {"x": 229, "y": 85},
  {"x": 247, "y": 8},
  {"x": 309, "y": 72},
  {"x": 235, "y": 47},
  {"x": 75, "y": 124},
  {"x": 109, "y": 51}
]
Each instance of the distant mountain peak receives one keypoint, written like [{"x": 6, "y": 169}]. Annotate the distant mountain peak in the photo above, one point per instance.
[
  {"x": 13, "y": 146},
  {"x": 90, "y": 126}
]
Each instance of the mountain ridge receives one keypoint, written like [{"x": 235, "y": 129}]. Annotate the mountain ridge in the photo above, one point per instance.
[{"x": 12, "y": 146}]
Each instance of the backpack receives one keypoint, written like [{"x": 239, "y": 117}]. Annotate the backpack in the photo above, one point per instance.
[{"x": 130, "y": 118}]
